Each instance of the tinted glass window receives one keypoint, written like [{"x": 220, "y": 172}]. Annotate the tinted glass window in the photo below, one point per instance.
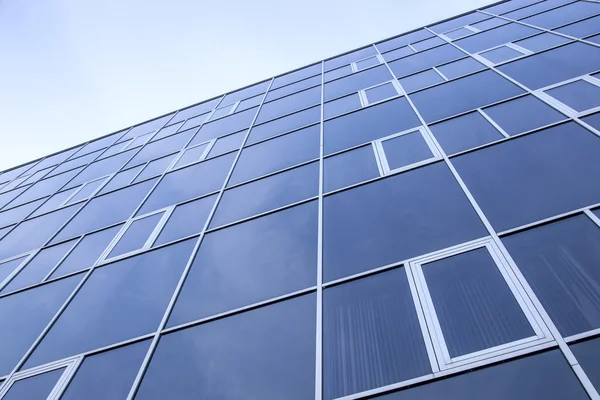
[
  {"x": 35, "y": 387},
  {"x": 350, "y": 167},
  {"x": 155, "y": 168},
  {"x": 584, "y": 28},
  {"x": 495, "y": 37},
  {"x": 195, "y": 110},
  {"x": 284, "y": 91},
  {"x": 186, "y": 219},
  {"x": 398, "y": 53},
  {"x": 350, "y": 57},
  {"x": 405, "y": 150},
  {"x": 461, "y": 67},
  {"x": 16, "y": 214},
  {"x": 464, "y": 132},
  {"x": 542, "y": 41},
  {"x": 147, "y": 127},
  {"x": 296, "y": 75},
  {"x": 588, "y": 354},
  {"x": 224, "y": 126},
  {"x": 289, "y": 104},
  {"x": 164, "y": 132},
  {"x": 426, "y": 59},
  {"x": 337, "y": 73},
  {"x": 420, "y": 80},
  {"x": 284, "y": 124},
  {"x": 246, "y": 92},
  {"x": 45, "y": 187},
  {"x": 380, "y": 93},
  {"x": 356, "y": 82},
  {"x": 404, "y": 40},
  {"x": 428, "y": 43},
  {"x": 501, "y": 54},
  {"x": 593, "y": 120},
  {"x": 564, "y": 15},
  {"x": 458, "y": 22},
  {"x": 227, "y": 143},
  {"x": 341, "y": 105},
  {"x": 102, "y": 168},
  {"x": 579, "y": 95},
  {"x": 121, "y": 179},
  {"x": 136, "y": 235},
  {"x": 161, "y": 148}
]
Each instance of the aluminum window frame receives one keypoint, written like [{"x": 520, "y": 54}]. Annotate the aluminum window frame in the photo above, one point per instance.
[
  {"x": 467, "y": 27},
  {"x": 564, "y": 108},
  {"x": 209, "y": 145},
  {"x": 233, "y": 106},
  {"x": 67, "y": 201},
  {"x": 354, "y": 64},
  {"x": 482, "y": 59},
  {"x": 364, "y": 100}
]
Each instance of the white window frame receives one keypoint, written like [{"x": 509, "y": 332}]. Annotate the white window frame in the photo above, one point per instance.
[
  {"x": 99, "y": 188},
  {"x": 428, "y": 316},
  {"x": 364, "y": 100},
  {"x": 233, "y": 106},
  {"x": 467, "y": 27},
  {"x": 166, "y": 213},
  {"x": 354, "y": 64},
  {"x": 70, "y": 365},
  {"x": 381, "y": 158},
  {"x": 541, "y": 93},
  {"x": 209, "y": 143},
  {"x": 481, "y": 58}
]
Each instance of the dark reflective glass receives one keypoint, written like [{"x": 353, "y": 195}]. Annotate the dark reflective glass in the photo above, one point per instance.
[
  {"x": 523, "y": 114},
  {"x": 464, "y": 132},
  {"x": 40, "y": 266},
  {"x": 521, "y": 181},
  {"x": 398, "y": 53},
  {"x": 501, "y": 54},
  {"x": 25, "y": 314},
  {"x": 402, "y": 216},
  {"x": 542, "y": 41},
  {"x": 37, "y": 387},
  {"x": 285, "y": 124},
  {"x": 121, "y": 179},
  {"x": 44, "y": 188},
  {"x": 187, "y": 219},
  {"x": 7, "y": 267},
  {"x": 223, "y": 278},
  {"x": 33, "y": 233},
  {"x": 457, "y": 22},
  {"x": 161, "y": 148},
  {"x": 341, "y": 105},
  {"x": 448, "y": 99},
  {"x": 350, "y": 57},
  {"x": 267, "y": 194},
  {"x": 167, "y": 131},
  {"x": 495, "y": 37},
  {"x": 224, "y": 126},
  {"x": 86, "y": 252},
  {"x": 107, "y": 375},
  {"x": 295, "y": 87},
  {"x": 368, "y": 124},
  {"x": 380, "y": 93},
  {"x": 147, "y": 127},
  {"x": 246, "y": 92},
  {"x": 579, "y": 95},
  {"x": 226, "y": 144},
  {"x": 405, "y": 150},
  {"x": 588, "y": 356},
  {"x": 276, "y": 154},
  {"x": 266, "y": 353},
  {"x": 356, "y": 82},
  {"x": 102, "y": 168},
  {"x": 568, "y": 61},
  {"x": 129, "y": 298},
  {"x": 593, "y": 120},
  {"x": 350, "y": 167},
  {"x": 208, "y": 176},
  {"x": 425, "y": 59},
  {"x": 563, "y": 15},
  {"x": 420, "y": 80},
  {"x": 404, "y": 40},
  {"x": 136, "y": 235},
  {"x": 106, "y": 210},
  {"x": 428, "y": 43},
  {"x": 559, "y": 261},
  {"x": 371, "y": 335},
  {"x": 337, "y": 73},
  {"x": 295, "y": 76},
  {"x": 18, "y": 213},
  {"x": 201, "y": 108},
  {"x": 155, "y": 168},
  {"x": 545, "y": 375},
  {"x": 289, "y": 104},
  {"x": 461, "y": 67},
  {"x": 583, "y": 28}
]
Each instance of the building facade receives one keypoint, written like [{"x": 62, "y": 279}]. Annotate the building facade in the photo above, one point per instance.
[{"x": 415, "y": 219}]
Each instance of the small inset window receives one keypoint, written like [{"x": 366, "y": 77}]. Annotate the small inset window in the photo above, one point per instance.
[
  {"x": 406, "y": 150},
  {"x": 86, "y": 190},
  {"x": 378, "y": 93},
  {"x": 365, "y": 63},
  {"x": 578, "y": 96},
  {"x": 137, "y": 142},
  {"x": 224, "y": 110},
  {"x": 501, "y": 54},
  {"x": 193, "y": 154},
  {"x": 460, "y": 32}
]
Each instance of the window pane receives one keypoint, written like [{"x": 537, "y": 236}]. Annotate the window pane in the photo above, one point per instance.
[
  {"x": 356, "y": 82},
  {"x": 44, "y": 187},
  {"x": 7, "y": 267},
  {"x": 371, "y": 335},
  {"x": 195, "y": 110},
  {"x": 583, "y": 28},
  {"x": 167, "y": 131},
  {"x": 564, "y": 15},
  {"x": 296, "y": 75},
  {"x": 380, "y": 93},
  {"x": 475, "y": 307},
  {"x": 119, "y": 314},
  {"x": 464, "y": 132},
  {"x": 579, "y": 95},
  {"x": 101, "y": 168},
  {"x": 246, "y": 92},
  {"x": 428, "y": 43},
  {"x": 367, "y": 62},
  {"x": 521, "y": 181},
  {"x": 225, "y": 126},
  {"x": 155, "y": 168},
  {"x": 186, "y": 219},
  {"x": 267, "y": 353},
  {"x": 405, "y": 150},
  {"x": 337, "y": 73},
  {"x": 26, "y": 314},
  {"x": 296, "y": 87},
  {"x": 16, "y": 214},
  {"x": 542, "y": 41},
  {"x": 121, "y": 179},
  {"x": 501, "y": 54},
  {"x": 495, "y": 37},
  {"x": 523, "y": 114},
  {"x": 350, "y": 57},
  {"x": 403, "y": 216},
  {"x": 107, "y": 375},
  {"x": 285, "y": 124},
  {"x": 194, "y": 122},
  {"x": 289, "y": 104},
  {"x": 420, "y": 80},
  {"x": 222, "y": 111},
  {"x": 350, "y": 167},
  {"x": 136, "y": 235},
  {"x": 191, "y": 155},
  {"x": 588, "y": 354},
  {"x": 147, "y": 127},
  {"x": 470, "y": 18},
  {"x": 87, "y": 190},
  {"x": 425, "y": 59},
  {"x": 398, "y": 53},
  {"x": 37, "y": 387},
  {"x": 404, "y": 40},
  {"x": 249, "y": 103},
  {"x": 227, "y": 143},
  {"x": 7, "y": 197},
  {"x": 458, "y": 33},
  {"x": 267, "y": 194},
  {"x": 276, "y": 154},
  {"x": 161, "y": 148},
  {"x": 593, "y": 120},
  {"x": 448, "y": 99},
  {"x": 560, "y": 260},
  {"x": 208, "y": 176},
  {"x": 341, "y": 105},
  {"x": 222, "y": 279},
  {"x": 368, "y": 124}
]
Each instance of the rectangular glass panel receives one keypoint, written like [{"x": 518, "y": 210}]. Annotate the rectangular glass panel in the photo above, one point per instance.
[
  {"x": 380, "y": 93},
  {"x": 350, "y": 167},
  {"x": 501, "y": 54},
  {"x": 460, "y": 67},
  {"x": 579, "y": 95},
  {"x": 37, "y": 387},
  {"x": 155, "y": 168},
  {"x": 136, "y": 235},
  {"x": 86, "y": 191},
  {"x": 465, "y": 132},
  {"x": 191, "y": 155},
  {"x": 366, "y": 63},
  {"x": 186, "y": 219},
  {"x": 341, "y": 106},
  {"x": 407, "y": 149},
  {"x": 420, "y": 80}
]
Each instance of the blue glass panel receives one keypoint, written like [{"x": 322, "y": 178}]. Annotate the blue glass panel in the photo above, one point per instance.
[
  {"x": 147, "y": 127},
  {"x": 284, "y": 124},
  {"x": 289, "y": 104},
  {"x": 267, "y": 353},
  {"x": 44, "y": 187},
  {"x": 337, "y": 73},
  {"x": 26, "y": 314},
  {"x": 75, "y": 163},
  {"x": 193, "y": 123},
  {"x": 276, "y": 154},
  {"x": 4, "y": 231},
  {"x": 583, "y": 28},
  {"x": 222, "y": 279},
  {"x": 87, "y": 251},
  {"x": 380, "y": 93},
  {"x": 568, "y": 61},
  {"x": 546, "y": 375},
  {"x": 129, "y": 298},
  {"x": 454, "y": 23},
  {"x": 161, "y": 148},
  {"x": 246, "y": 92},
  {"x": 579, "y": 95},
  {"x": 341, "y": 105},
  {"x": 33, "y": 233},
  {"x": 403, "y": 40},
  {"x": 121, "y": 179},
  {"x": 458, "y": 33},
  {"x": 356, "y": 82},
  {"x": 201, "y": 108},
  {"x": 542, "y": 41},
  {"x": 298, "y": 75},
  {"x": 371, "y": 335},
  {"x": 186, "y": 219},
  {"x": 107, "y": 375},
  {"x": 267, "y": 194},
  {"x": 368, "y": 124},
  {"x": 7, "y": 267},
  {"x": 227, "y": 143},
  {"x": 428, "y": 43},
  {"x": 521, "y": 181},
  {"x": 508, "y": 6},
  {"x": 136, "y": 235},
  {"x": 40, "y": 266},
  {"x": 155, "y": 168},
  {"x": 102, "y": 168},
  {"x": 350, "y": 57},
  {"x": 86, "y": 191},
  {"x": 594, "y": 39},
  {"x": 495, "y": 37},
  {"x": 208, "y": 176},
  {"x": 448, "y": 99},
  {"x": 37, "y": 387},
  {"x": 461, "y": 67},
  {"x": 464, "y": 132},
  {"x": 350, "y": 167},
  {"x": 523, "y": 114},
  {"x": 501, "y": 54},
  {"x": 224, "y": 126},
  {"x": 425, "y": 59},
  {"x": 559, "y": 261},
  {"x": 106, "y": 210},
  {"x": 18, "y": 213},
  {"x": 405, "y": 150},
  {"x": 564, "y": 15},
  {"x": 593, "y": 120},
  {"x": 537, "y": 8},
  {"x": 7, "y": 197},
  {"x": 588, "y": 354},
  {"x": 398, "y": 53},
  {"x": 402, "y": 216},
  {"x": 366, "y": 63},
  {"x": 295, "y": 87},
  {"x": 420, "y": 80},
  {"x": 164, "y": 132}
]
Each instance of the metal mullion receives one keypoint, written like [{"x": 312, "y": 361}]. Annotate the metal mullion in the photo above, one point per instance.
[
  {"x": 269, "y": 174},
  {"x": 49, "y": 274},
  {"x": 492, "y": 122},
  {"x": 518, "y": 48},
  {"x": 159, "y": 227},
  {"x": 592, "y": 216},
  {"x": 583, "y": 335},
  {"x": 19, "y": 268},
  {"x": 380, "y": 159},
  {"x": 177, "y": 290},
  {"x": 567, "y": 353},
  {"x": 440, "y": 74}
]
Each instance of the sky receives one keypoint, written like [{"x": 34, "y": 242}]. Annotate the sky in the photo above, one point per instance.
[{"x": 73, "y": 70}]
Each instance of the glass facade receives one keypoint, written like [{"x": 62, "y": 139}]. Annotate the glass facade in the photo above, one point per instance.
[{"x": 417, "y": 218}]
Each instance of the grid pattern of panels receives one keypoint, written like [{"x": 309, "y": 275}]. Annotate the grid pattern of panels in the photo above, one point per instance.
[{"x": 360, "y": 227}]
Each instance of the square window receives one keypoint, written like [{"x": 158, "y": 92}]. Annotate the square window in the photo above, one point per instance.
[
  {"x": 406, "y": 150},
  {"x": 580, "y": 95},
  {"x": 379, "y": 93},
  {"x": 500, "y": 54},
  {"x": 137, "y": 235}
]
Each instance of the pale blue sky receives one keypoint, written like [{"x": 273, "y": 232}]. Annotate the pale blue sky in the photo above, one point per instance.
[{"x": 74, "y": 70}]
